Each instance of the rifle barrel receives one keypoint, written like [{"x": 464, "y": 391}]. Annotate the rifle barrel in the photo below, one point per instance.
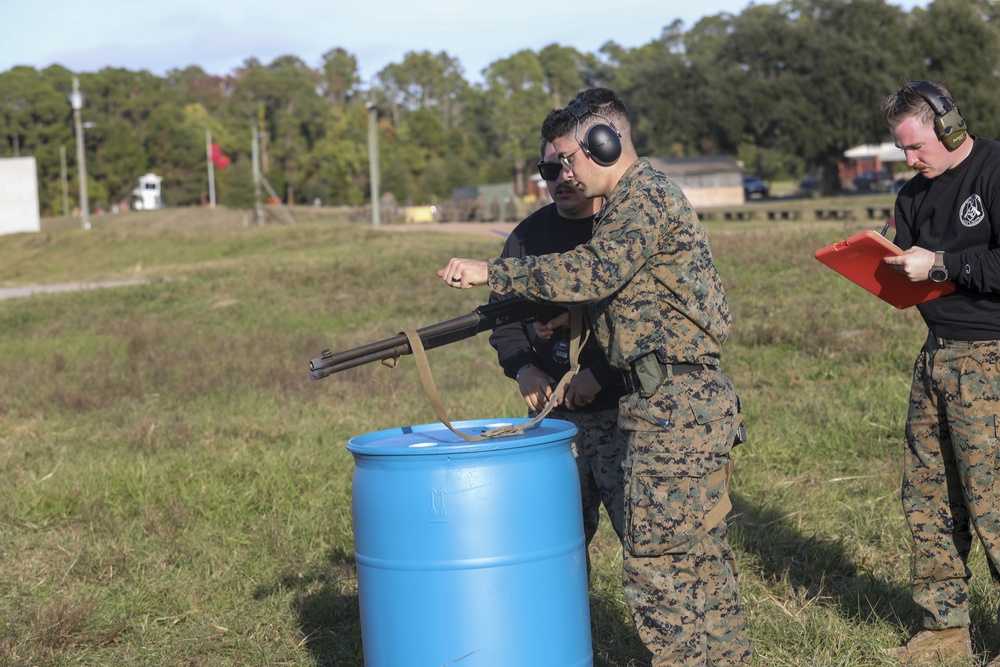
[
  {"x": 431, "y": 336},
  {"x": 318, "y": 373},
  {"x": 484, "y": 317}
]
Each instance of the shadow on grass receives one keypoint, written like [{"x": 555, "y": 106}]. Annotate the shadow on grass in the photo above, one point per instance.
[
  {"x": 817, "y": 569},
  {"x": 324, "y": 597},
  {"x": 615, "y": 640},
  {"x": 823, "y": 572},
  {"x": 325, "y": 600}
]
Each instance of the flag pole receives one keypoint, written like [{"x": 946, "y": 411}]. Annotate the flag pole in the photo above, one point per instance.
[
  {"x": 211, "y": 169},
  {"x": 258, "y": 211}
]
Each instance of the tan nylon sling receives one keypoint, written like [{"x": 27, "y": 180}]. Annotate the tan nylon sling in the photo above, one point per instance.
[{"x": 578, "y": 338}]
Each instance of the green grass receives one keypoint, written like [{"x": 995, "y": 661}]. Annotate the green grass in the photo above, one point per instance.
[{"x": 177, "y": 490}]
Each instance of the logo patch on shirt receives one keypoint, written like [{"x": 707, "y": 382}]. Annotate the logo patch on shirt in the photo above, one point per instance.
[{"x": 972, "y": 211}]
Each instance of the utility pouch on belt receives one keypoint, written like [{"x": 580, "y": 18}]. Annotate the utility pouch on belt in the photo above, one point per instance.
[
  {"x": 741, "y": 431},
  {"x": 649, "y": 372}
]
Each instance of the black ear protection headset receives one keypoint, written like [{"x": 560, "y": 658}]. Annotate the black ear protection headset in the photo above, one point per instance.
[
  {"x": 603, "y": 143},
  {"x": 948, "y": 121}
]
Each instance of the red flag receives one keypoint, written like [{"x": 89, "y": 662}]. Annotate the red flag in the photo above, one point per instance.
[{"x": 218, "y": 159}]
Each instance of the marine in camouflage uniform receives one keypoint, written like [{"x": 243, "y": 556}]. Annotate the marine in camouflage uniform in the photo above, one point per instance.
[
  {"x": 658, "y": 308},
  {"x": 948, "y": 221}
]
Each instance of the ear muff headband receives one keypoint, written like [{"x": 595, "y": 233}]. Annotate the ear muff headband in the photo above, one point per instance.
[
  {"x": 602, "y": 143},
  {"x": 948, "y": 122}
]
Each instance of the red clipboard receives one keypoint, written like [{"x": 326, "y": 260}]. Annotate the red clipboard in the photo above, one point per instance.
[{"x": 859, "y": 259}]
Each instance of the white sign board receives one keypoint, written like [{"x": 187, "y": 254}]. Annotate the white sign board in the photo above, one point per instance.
[{"x": 18, "y": 195}]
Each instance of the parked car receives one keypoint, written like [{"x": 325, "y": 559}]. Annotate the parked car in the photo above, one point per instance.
[
  {"x": 873, "y": 181},
  {"x": 754, "y": 187}
]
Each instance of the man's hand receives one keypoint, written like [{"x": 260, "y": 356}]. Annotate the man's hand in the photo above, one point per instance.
[
  {"x": 546, "y": 329},
  {"x": 916, "y": 263},
  {"x": 582, "y": 389},
  {"x": 536, "y": 388},
  {"x": 465, "y": 273}
]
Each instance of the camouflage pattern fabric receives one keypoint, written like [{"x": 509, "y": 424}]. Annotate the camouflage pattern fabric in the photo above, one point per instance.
[
  {"x": 648, "y": 270},
  {"x": 951, "y": 473},
  {"x": 599, "y": 460},
  {"x": 679, "y": 574},
  {"x": 649, "y": 273},
  {"x": 599, "y": 456}
]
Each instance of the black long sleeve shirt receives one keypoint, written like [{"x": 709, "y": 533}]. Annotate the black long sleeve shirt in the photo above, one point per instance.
[
  {"x": 959, "y": 212},
  {"x": 544, "y": 232}
]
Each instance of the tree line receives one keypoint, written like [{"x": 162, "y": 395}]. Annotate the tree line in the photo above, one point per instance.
[{"x": 784, "y": 87}]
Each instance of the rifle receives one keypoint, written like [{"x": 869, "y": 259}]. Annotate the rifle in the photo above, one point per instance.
[{"x": 483, "y": 318}]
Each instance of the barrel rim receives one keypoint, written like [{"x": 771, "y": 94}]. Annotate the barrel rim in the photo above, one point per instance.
[{"x": 442, "y": 441}]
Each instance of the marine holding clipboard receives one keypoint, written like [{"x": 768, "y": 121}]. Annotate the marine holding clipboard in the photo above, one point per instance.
[{"x": 948, "y": 225}]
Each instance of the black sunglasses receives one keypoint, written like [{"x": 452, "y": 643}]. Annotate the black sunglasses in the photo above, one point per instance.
[{"x": 549, "y": 171}]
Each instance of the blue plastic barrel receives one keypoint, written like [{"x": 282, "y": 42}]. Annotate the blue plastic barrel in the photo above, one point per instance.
[{"x": 470, "y": 554}]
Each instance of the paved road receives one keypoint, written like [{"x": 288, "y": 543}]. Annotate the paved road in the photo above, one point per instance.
[
  {"x": 501, "y": 229},
  {"x": 30, "y": 290}
]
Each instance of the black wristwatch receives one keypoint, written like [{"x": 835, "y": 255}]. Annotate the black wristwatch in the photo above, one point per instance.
[{"x": 938, "y": 272}]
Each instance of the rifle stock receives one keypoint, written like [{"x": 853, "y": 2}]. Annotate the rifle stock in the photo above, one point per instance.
[{"x": 483, "y": 318}]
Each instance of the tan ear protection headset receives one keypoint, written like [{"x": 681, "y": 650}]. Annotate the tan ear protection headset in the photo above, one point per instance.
[{"x": 948, "y": 121}]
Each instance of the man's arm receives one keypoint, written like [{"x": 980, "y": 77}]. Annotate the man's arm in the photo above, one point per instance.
[
  {"x": 915, "y": 263},
  {"x": 514, "y": 349},
  {"x": 659, "y": 226},
  {"x": 977, "y": 271},
  {"x": 464, "y": 273},
  {"x": 604, "y": 374}
]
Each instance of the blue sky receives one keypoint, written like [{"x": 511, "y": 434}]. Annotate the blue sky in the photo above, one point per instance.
[{"x": 219, "y": 35}]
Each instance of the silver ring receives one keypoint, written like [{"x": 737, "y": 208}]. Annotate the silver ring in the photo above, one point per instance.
[{"x": 456, "y": 280}]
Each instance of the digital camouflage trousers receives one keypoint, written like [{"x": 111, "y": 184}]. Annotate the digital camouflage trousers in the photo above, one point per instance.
[
  {"x": 679, "y": 574},
  {"x": 599, "y": 459},
  {"x": 951, "y": 473}
]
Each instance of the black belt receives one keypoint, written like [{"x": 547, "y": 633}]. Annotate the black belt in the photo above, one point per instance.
[{"x": 631, "y": 380}]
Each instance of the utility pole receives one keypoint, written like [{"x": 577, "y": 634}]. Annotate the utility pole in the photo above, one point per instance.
[
  {"x": 62, "y": 177},
  {"x": 374, "y": 172},
  {"x": 76, "y": 101},
  {"x": 211, "y": 169},
  {"x": 258, "y": 211}
]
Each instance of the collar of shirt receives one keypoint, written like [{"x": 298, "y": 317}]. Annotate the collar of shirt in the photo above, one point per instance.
[{"x": 622, "y": 188}]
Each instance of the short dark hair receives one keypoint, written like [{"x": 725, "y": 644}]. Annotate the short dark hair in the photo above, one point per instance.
[{"x": 605, "y": 105}]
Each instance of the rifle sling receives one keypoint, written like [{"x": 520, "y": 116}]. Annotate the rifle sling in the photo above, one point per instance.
[
  {"x": 722, "y": 508},
  {"x": 578, "y": 337}
]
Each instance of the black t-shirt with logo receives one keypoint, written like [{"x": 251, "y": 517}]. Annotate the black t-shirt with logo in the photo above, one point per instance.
[{"x": 959, "y": 212}]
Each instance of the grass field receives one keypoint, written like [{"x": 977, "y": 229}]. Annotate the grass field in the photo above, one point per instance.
[{"x": 176, "y": 490}]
